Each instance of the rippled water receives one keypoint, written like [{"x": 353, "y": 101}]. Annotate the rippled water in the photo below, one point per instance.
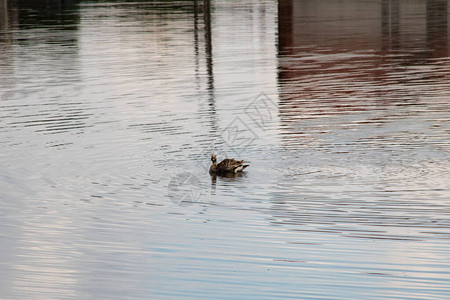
[{"x": 110, "y": 111}]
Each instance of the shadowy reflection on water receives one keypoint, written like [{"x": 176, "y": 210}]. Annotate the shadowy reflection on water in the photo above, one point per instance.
[
  {"x": 371, "y": 104},
  {"x": 339, "y": 106}
]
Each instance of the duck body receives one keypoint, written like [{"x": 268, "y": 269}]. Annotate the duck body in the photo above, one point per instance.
[{"x": 226, "y": 166}]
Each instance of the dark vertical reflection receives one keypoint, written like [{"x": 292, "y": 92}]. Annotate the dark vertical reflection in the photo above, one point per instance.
[
  {"x": 196, "y": 41},
  {"x": 208, "y": 44},
  {"x": 3, "y": 15},
  {"x": 209, "y": 63},
  {"x": 390, "y": 26},
  {"x": 437, "y": 38},
  {"x": 285, "y": 34},
  {"x": 6, "y": 20},
  {"x": 285, "y": 24},
  {"x": 6, "y": 57}
]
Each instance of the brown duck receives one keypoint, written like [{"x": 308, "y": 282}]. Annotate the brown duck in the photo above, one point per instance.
[{"x": 226, "y": 166}]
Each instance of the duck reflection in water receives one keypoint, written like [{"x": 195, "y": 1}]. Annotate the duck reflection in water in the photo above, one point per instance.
[{"x": 226, "y": 177}]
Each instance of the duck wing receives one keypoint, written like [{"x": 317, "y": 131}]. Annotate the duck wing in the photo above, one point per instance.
[{"x": 231, "y": 165}]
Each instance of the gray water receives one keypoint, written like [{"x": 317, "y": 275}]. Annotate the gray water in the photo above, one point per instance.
[{"x": 110, "y": 111}]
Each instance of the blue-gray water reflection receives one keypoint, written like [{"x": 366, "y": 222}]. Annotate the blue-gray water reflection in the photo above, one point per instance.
[{"x": 110, "y": 111}]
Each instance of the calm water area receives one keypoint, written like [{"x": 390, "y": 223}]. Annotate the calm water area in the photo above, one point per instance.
[{"x": 110, "y": 111}]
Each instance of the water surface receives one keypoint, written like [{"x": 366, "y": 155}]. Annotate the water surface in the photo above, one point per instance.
[{"x": 110, "y": 112}]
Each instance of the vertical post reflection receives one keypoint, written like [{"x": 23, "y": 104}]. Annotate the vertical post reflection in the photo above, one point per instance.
[
  {"x": 285, "y": 25},
  {"x": 208, "y": 43},
  {"x": 390, "y": 25},
  {"x": 7, "y": 19},
  {"x": 3, "y": 15},
  {"x": 196, "y": 42},
  {"x": 285, "y": 34},
  {"x": 437, "y": 39},
  {"x": 209, "y": 62}
]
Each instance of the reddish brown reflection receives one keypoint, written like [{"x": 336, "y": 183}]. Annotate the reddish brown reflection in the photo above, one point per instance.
[
  {"x": 336, "y": 57},
  {"x": 437, "y": 24}
]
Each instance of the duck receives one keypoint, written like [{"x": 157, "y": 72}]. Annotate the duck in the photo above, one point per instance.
[{"x": 226, "y": 166}]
